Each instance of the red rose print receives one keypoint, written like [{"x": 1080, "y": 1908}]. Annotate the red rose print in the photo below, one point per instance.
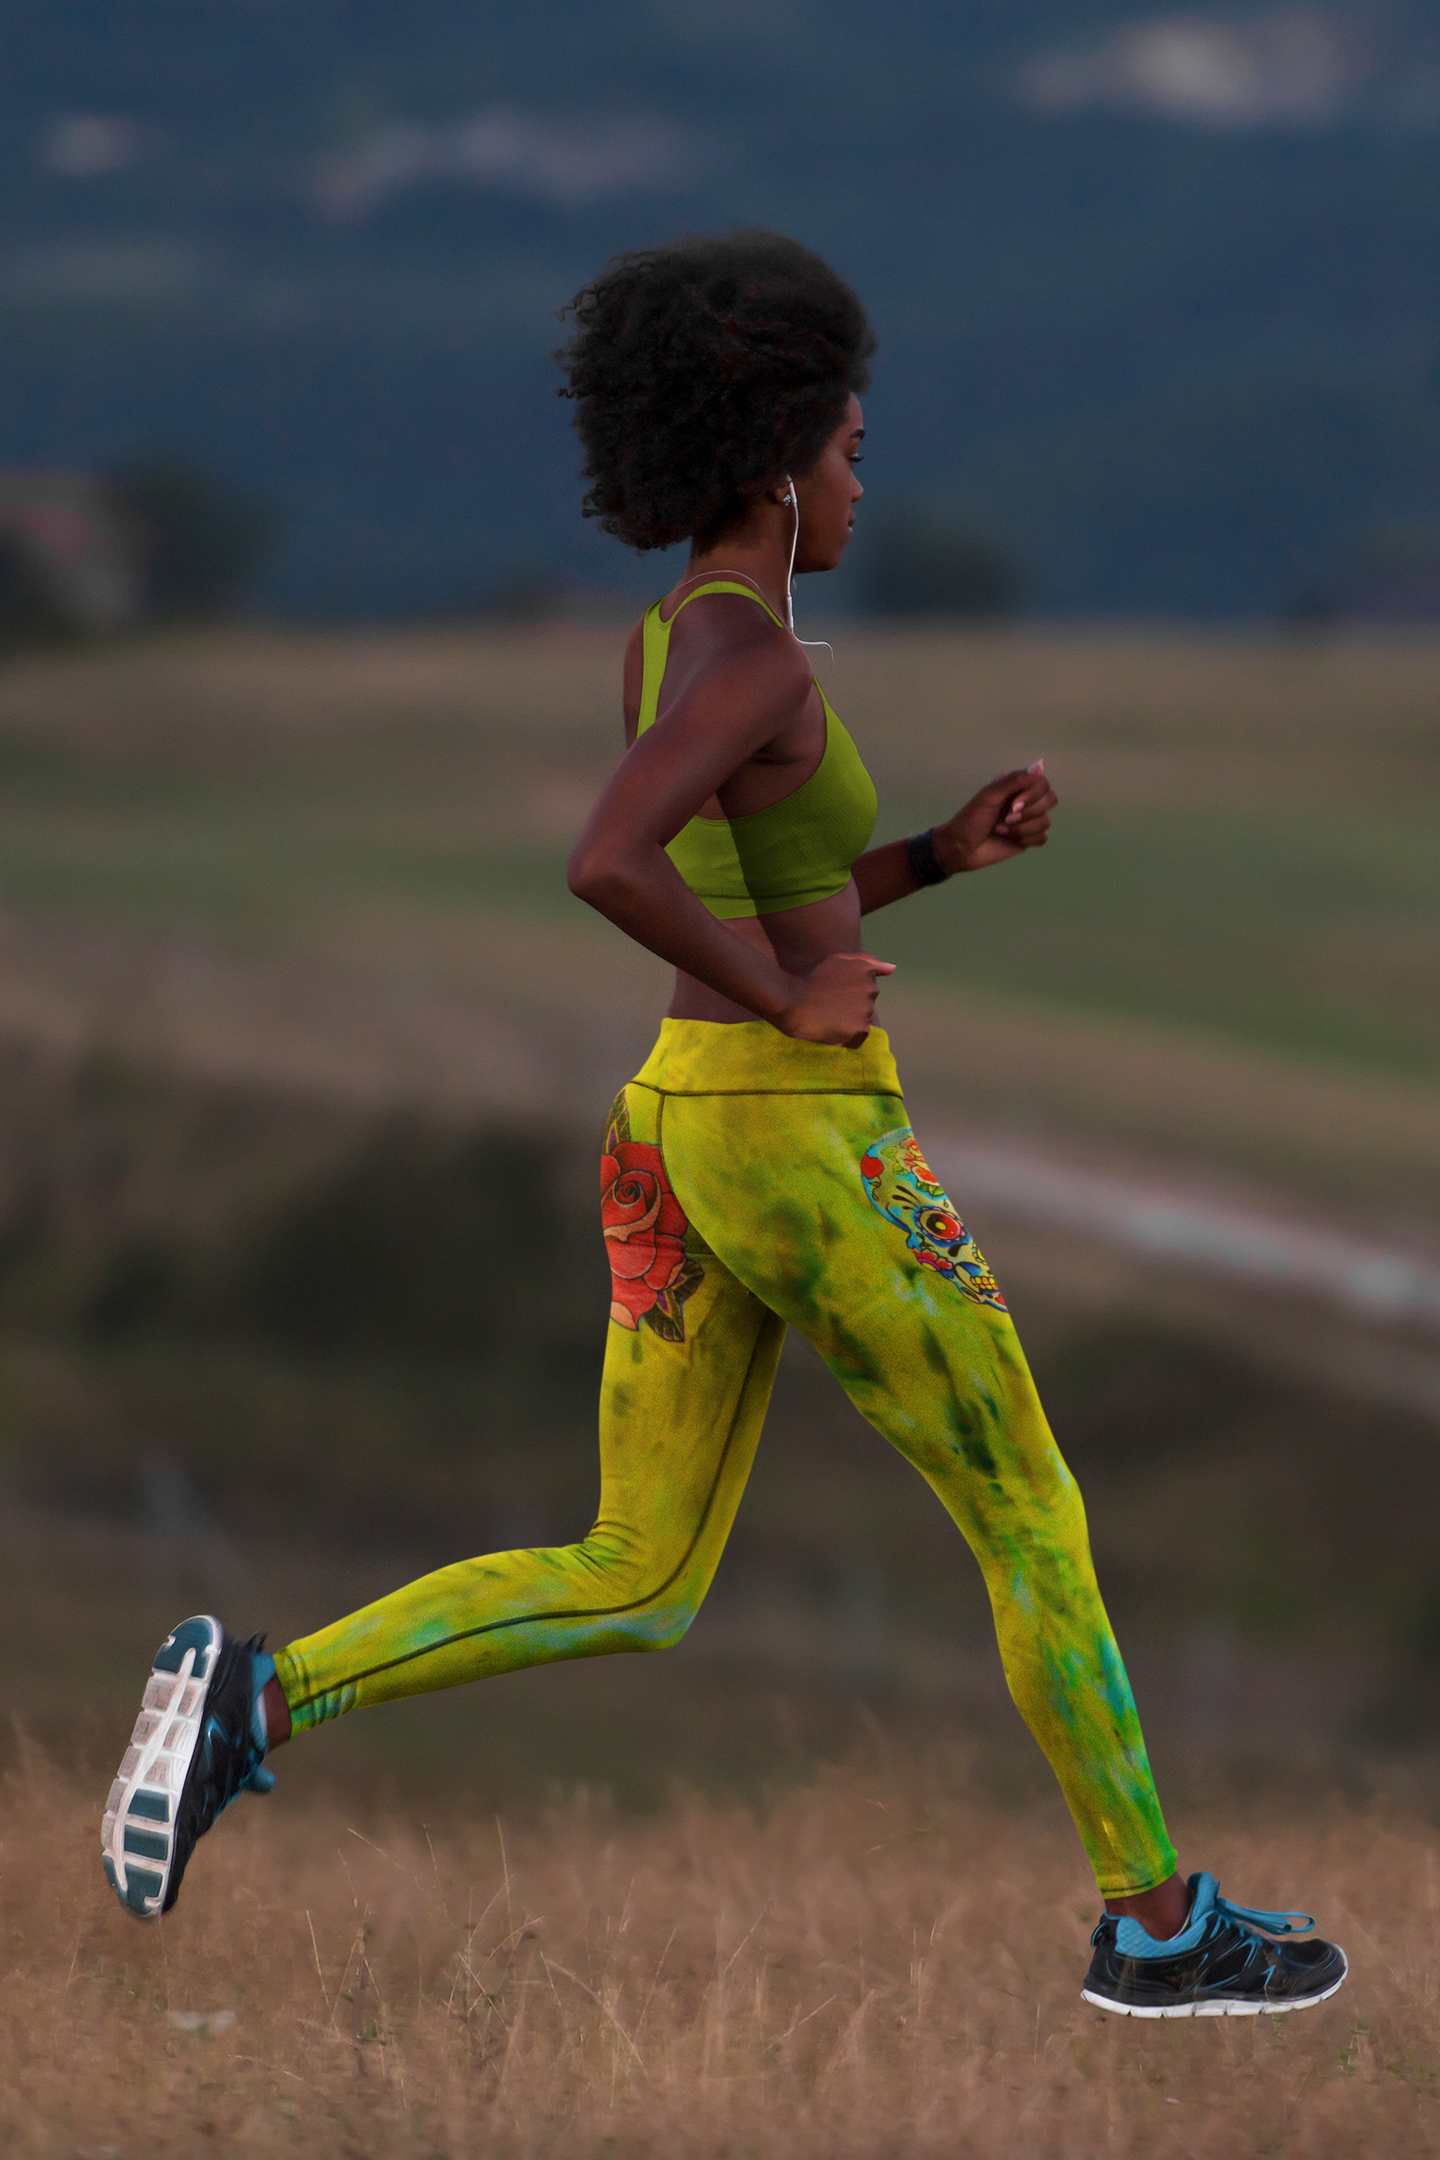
[{"x": 644, "y": 1227}]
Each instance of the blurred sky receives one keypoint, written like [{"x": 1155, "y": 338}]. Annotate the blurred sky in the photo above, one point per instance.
[{"x": 1158, "y": 294}]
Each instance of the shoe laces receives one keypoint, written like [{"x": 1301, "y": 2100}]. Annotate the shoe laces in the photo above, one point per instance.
[{"x": 1254, "y": 1917}]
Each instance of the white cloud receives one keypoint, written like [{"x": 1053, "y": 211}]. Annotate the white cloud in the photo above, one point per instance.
[
  {"x": 539, "y": 158},
  {"x": 88, "y": 146},
  {"x": 1286, "y": 67}
]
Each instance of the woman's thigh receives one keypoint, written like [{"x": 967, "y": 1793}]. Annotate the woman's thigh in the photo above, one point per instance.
[
  {"x": 825, "y": 1207},
  {"x": 690, "y": 1360}
]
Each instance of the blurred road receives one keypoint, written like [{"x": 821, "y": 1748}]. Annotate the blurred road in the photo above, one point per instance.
[{"x": 1192, "y": 1229}]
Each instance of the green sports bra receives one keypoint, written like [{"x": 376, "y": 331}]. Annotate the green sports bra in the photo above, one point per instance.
[{"x": 798, "y": 849}]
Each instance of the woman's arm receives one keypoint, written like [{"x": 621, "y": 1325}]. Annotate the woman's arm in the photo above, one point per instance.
[
  {"x": 740, "y": 702},
  {"x": 1005, "y": 818}
]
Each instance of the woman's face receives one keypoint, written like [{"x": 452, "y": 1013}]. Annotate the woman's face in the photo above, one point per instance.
[{"x": 828, "y": 495}]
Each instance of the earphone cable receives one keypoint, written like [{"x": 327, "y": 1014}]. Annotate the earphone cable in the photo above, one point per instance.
[{"x": 810, "y": 644}]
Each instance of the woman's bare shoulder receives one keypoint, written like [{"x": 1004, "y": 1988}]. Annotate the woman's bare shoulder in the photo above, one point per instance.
[
  {"x": 732, "y": 627},
  {"x": 725, "y": 647}
]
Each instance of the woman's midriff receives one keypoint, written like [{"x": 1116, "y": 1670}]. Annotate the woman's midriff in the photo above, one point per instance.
[{"x": 799, "y": 938}]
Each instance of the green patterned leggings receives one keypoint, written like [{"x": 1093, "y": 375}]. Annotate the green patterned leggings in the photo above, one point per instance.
[{"x": 752, "y": 1182}]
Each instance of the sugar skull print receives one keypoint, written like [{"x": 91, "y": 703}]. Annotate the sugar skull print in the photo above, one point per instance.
[{"x": 904, "y": 1188}]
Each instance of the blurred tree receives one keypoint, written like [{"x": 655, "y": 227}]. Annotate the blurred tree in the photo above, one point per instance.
[
  {"x": 916, "y": 564},
  {"x": 205, "y": 540},
  {"x": 28, "y": 614},
  {"x": 71, "y": 558}
]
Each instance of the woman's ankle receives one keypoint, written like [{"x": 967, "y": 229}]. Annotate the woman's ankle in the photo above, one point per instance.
[
  {"x": 1162, "y": 1912},
  {"x": 277, "y": 1715}
]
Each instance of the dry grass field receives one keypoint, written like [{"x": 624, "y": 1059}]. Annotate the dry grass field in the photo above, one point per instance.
[
  {"x": 876, "y": 1965},
  {"x": 265, "y": 897}
]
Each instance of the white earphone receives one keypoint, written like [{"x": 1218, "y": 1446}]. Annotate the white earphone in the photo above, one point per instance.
[
  {"x": 794, "y": 543},
  {"x": 814, "y": 643}
]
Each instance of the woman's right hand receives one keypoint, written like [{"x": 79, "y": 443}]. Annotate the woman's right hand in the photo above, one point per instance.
[{"x": 836, "y": 1001}]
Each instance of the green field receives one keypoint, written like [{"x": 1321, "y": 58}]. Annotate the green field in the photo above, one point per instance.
[{"x": 1245, "y": 847}]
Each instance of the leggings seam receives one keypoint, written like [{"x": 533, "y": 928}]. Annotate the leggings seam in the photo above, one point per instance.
[{"x": 594, "y": 1612}]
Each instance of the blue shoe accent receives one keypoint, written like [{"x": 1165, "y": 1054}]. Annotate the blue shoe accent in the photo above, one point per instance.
[
  {"x": 147, "y": 1844},
  {"x": 197, "y": 1635},
  {"x": 262, "y": 1672},
  {"x": 142, "y": 1891}
]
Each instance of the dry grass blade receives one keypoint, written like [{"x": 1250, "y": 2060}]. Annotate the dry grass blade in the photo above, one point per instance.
[
  {"x": 319, "y": 1974},
  {"x": 553, "y": 1965}
]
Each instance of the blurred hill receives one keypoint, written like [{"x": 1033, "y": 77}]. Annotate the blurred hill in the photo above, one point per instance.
[{"x": 1157, "y": 295}]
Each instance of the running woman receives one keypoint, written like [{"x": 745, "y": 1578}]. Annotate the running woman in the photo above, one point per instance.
[{"x": 759, "y": 1172}]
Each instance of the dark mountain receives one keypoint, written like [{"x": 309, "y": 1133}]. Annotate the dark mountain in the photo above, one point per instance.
[{"x": 1159, "y": 298}]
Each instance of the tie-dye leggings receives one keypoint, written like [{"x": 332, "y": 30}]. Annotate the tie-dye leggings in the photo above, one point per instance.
[{"x": 749, "y": 1182}]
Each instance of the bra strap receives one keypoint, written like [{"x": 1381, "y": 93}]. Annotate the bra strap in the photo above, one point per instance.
[{"x": 655, "y": 646}]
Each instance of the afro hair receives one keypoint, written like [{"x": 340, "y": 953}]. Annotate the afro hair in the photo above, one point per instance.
[{"x": 704, "y": 372}]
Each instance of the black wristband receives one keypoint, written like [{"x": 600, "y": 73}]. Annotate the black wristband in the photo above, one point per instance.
[{"x": 925, "y": 863}]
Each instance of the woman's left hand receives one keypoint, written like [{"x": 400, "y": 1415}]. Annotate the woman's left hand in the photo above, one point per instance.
[{"x": 1005, "y": 818}]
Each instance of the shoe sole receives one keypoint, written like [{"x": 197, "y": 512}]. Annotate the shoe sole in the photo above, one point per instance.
[
  {"x": 137, "y": 1837},
  {"x": 1218, "y": 2006}
]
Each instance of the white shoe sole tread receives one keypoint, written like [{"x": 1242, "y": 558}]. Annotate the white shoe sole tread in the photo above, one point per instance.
[{"x": 137, "y": 1835}]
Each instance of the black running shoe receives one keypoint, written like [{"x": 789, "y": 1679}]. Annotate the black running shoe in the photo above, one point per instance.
[
  {"x": 1219, "y": 1965},
  {"x": 196, "y": 1746}
]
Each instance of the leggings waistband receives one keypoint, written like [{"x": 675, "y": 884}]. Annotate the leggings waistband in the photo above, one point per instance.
[{"x": 749, "y": 1057}]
